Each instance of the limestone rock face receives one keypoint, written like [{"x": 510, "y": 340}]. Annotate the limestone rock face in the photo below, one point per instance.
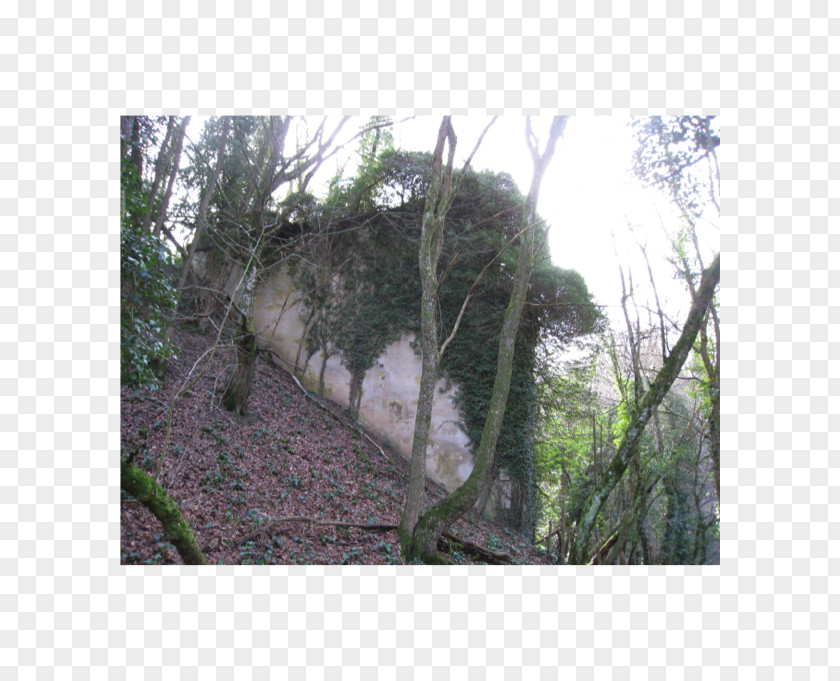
[{"x": 390, "y": 388}]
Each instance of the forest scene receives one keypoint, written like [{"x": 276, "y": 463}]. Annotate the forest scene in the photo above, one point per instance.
[{"x": 419, "y": 341}]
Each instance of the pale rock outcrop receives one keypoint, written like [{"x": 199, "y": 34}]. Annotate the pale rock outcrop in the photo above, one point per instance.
[{"x": 389, "y": 391}]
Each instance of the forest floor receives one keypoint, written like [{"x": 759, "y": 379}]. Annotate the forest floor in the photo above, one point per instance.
[{"x": 261, "y": 489}]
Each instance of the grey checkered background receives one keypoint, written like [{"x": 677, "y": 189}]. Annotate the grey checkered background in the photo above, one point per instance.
[{"x": 68, "y": 610}]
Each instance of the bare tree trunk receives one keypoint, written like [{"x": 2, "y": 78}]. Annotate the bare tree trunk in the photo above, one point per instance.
[
  {"x": 642, "y": 414},
  {"x": 700, "y": 529},
  {"x": 201, "y": 220},
  {"x": 355, "y": 397},
  {"x": 323, "y": 371},
  {"x": 176, "y": 162},
  {"x": 126, "y": 128},
  {"x": 714, "y": 439},
  {"x": 438, "y": 200},
  {"x": 431, "y": 243},
  {"x": 238, "y": 390},
  {"x": 131, "y": 155},
  {"x": 160, "y": 166},
  {"x": 127, "y": 124},
  {"x": 440, "y": 516},
  {"x": 136, "y": 151},
  {"x": 641, "y": 515},
  {"x": 710, "y": 365},
  {"x": 713, "y": 375},
  {"x": 481, "y": 504},
  {"x": 272, "y": 170}
]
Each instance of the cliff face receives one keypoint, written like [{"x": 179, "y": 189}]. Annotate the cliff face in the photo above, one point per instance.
[{"x": 388, "y": 401}]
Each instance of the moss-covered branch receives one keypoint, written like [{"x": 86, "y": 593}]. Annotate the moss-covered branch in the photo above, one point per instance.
[
  {"x": 143, "y": 488},
  {"x": 639, "y": 418}
]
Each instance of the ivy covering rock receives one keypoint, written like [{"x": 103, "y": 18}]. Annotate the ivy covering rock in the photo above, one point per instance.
[{"x": 363, "y": 294}]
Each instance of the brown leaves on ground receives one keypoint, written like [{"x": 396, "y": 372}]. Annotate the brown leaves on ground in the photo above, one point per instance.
[{"x": 288, "y": 457}]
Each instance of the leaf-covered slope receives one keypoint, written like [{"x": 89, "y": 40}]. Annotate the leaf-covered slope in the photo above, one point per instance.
[{"x": 235, "y": 478}]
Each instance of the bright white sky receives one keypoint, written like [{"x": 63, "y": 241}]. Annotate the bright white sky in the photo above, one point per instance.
[
  {"x": 588, "y": 194},
  {"x": 584, "y": 193}
]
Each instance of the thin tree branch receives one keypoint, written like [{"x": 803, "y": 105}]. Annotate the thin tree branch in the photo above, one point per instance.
[{"x": 475, "y": 284}]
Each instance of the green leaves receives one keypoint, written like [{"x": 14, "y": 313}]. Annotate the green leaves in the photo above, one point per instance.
[
  {"x": 669, "y": 152},
  {"x": 146, "y": 294}
]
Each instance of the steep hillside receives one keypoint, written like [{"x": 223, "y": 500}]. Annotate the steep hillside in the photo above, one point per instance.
[{"x": 287, "y": 484}]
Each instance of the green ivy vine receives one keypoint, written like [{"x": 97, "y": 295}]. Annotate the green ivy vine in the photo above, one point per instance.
[{"x": 370, "y": 291}]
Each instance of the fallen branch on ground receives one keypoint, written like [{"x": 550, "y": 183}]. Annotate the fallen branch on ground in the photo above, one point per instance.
[
  {"x": 314, "y": 521},
  {"x": 490, "y": 556},
  {"x": 448, "y": 540}
]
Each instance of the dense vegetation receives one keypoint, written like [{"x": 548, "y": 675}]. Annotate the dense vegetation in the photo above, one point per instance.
[
  {"x": 579, "y": 385},
  {"x": 375, "y": 299}
]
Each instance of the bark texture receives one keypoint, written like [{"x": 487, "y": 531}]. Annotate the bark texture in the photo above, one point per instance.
[
  {"x": 434, "y": 522},
  {"x": 712, "y": 366},
  {"x": 238, "y": 389},
  {"x": 160, "y": 168},
  {"x": 143, "y": 488},
  {"x": 629, "y": 443},
  {"x": 201, "y": 221},
  {"x": 252, "y": 229},
  {"x": 431, "y": 243}
]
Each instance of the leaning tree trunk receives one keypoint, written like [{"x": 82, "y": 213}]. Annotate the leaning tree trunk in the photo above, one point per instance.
[
  {"x": 160, "y": 167},
  {"x": 483, "y": 498},
  {"x": 159, "y": 227},
  {"x": 710, "y": 359},
  {"x": 434, "y": 522},
  {"x": 201, "y": 219},
  {"x": 143, "y": 488},
  {"x": 238, "y": 389},
  {"x": 422, "y": 426},
  {"x": 641, "y": 414},
  {"x": 440, "y": 516},
  {"x": 438, "y": 200}
]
